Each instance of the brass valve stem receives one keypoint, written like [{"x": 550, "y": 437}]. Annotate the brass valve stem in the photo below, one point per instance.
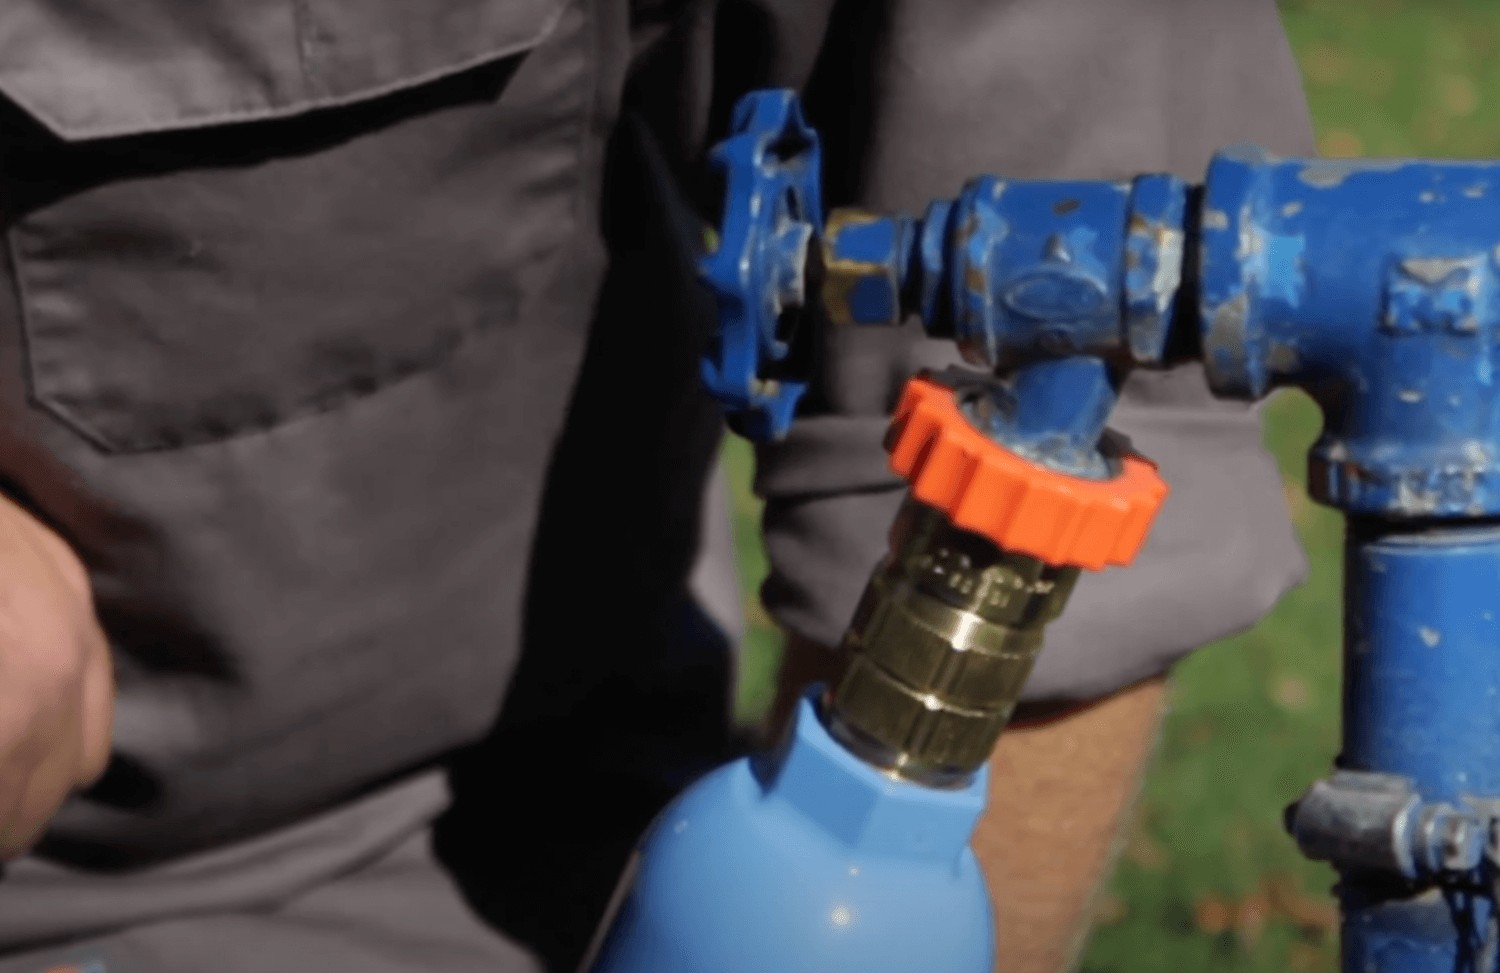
[{"x": 940, "y": 647}]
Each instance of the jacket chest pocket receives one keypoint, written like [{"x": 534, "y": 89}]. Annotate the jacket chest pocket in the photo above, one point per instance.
[{"x": 224, "y": 215}]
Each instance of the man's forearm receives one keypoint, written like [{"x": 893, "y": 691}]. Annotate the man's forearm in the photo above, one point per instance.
[
  {"x": 1061, "y": 789},
  {"x": 1061, "y": 792}
]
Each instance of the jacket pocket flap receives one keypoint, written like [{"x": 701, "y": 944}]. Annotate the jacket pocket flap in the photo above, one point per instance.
[{"x": 96, "y": 68}]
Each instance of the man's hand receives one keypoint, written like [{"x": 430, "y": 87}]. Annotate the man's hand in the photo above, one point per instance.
[{"x": 56, "y": 681}]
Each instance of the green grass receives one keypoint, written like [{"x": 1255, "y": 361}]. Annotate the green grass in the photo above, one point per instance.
[
  {"x": 1208, "y": 879},
  {"x": 761, "y": 652}
]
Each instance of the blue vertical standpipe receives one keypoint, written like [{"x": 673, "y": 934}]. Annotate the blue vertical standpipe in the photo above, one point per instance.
[
  {"x": 1373, "y": 286},
  {"x": 1421, "y": 702}
]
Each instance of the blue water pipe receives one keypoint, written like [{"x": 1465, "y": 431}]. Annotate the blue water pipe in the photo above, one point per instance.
[{"x": 1374, "y": 286}]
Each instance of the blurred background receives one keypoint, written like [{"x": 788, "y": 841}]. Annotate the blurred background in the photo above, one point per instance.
[{"x": 1208, "y": 879}]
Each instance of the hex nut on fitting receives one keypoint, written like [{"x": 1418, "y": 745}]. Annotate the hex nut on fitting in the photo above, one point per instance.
[{"x": 863, "y": 256}]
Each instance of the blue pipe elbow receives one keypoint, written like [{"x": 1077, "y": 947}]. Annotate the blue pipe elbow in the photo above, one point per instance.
[{"x": 1373, "y": 285}]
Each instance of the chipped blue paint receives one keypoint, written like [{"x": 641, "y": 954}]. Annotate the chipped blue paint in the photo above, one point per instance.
[
  {"x": 1053, "y": 413},
  {"x": 1154, "y": 245},
  {"x": 1373, "y": 286},
  {"x": 1034, "y": 267},
  {"x": 1422, "y": 701},
  {"x": 874, "y": 253}
]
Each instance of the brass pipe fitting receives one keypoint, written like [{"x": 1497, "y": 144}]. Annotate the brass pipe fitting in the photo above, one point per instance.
[
  {"x": 982, "y": 557},
  {"x": 940, "y": 647}
]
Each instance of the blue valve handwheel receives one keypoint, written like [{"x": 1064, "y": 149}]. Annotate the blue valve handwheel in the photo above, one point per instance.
[{"x": 756, "y": 365}]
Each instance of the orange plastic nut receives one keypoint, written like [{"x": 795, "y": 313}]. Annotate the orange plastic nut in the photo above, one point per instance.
[{"x": 1019, "y": 505}]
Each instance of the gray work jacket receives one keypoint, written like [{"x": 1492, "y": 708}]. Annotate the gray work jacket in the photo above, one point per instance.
[{"x": 352, "y": 343}]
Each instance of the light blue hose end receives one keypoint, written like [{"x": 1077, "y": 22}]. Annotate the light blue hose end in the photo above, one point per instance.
[{"x": 807, "y": 860}]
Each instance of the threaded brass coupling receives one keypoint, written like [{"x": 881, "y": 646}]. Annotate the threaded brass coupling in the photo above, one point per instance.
[
  {"x": 940, "y": 647},
  {"x": 983, "y": 555}
]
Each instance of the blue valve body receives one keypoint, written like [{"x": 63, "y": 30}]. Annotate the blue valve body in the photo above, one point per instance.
[
  {"x": 1014, "y": 270},
  {"x": 1021, "y": 269},
  {"x": 1375, "y": 286}
]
